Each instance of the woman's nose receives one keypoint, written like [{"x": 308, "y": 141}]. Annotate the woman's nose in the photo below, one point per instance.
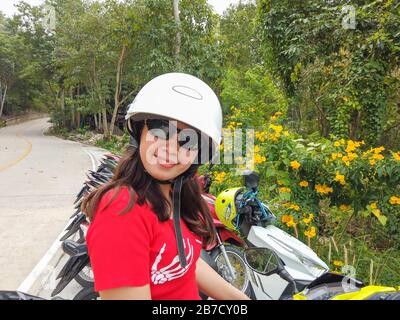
[{"x": 172, "y": 142}]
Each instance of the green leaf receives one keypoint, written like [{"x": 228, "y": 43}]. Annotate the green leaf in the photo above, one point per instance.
[
  {"x": 270, "y": 172},
  {"x": 382, "y": 219},
  {"x": 285, "y": 196},
  {"x": 365, "y": 213},
  {"x": 286, "y": 162}
]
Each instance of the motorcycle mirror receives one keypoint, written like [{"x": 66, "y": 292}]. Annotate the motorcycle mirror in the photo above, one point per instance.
[
  {"x": 251, "y": 179},
  {"x": 262, "y": 260},
  {"x": 266, "y": 262}
]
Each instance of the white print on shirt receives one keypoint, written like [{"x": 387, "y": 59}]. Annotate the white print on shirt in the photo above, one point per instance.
[
  {"x": 198, "y": 241},
  {"x": 169, "y": 273}
]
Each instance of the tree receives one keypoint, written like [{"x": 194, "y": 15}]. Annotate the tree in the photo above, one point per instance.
[
  {"x": 339, "y": 74},
  {"x": 6, "y": 68}
]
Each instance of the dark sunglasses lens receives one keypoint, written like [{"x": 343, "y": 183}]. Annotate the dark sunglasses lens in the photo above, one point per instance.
[
  {"x": 189, "y": 139},
  {"x": 159, "y": 128}
]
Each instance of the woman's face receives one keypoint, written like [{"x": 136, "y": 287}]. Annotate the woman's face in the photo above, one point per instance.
[{"x": 165, "y": 159}]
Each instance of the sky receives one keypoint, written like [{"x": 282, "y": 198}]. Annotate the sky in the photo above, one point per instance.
[{"x": 7, "y": 6}]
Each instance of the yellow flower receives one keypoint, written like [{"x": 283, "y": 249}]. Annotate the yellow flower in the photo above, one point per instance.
[
  {"x": 323, "y": 189},
  {"x": 310, "y": 233},
  {"x": 350, "y": 148},
  {"x": 378, "y": 150},
  {"x": 308, "y": 219},
  {"x": 291, "y": 223},
  {"x": 337, "y": 144},
  {"x": 286, "y": 133},
  {"x": 351, "y": 156},
  {"x": 219, "y": 177},
  {"x": 277, "y": 129},
  {"x": 261, "y": 135},
  {"x": 259, "y": 159},
  {"x": 346, "y": 160},
  {"x": 283, "y": 189},
  {"x": 372, "y": 162},
  {"x": 277, "y": 114},
  {"x": 334, "y": 156},
  {"x": 344, "y": 207},
  {"x": 378, "y": 156},
  {"x": 340, "y": 178},
  {"x": 295, "y": 164},
  {"x": 286, "y": 218},
  {"x": 373, "y": 205},
  {"x": 295, "y": 207},
  {"x": 256, "y": 149},
  {"x": 338, "y": 263},
  {"x": 303, "y": 183},
  {"x": 396, "y": 156},
  {"x": 394, "y": 200}
]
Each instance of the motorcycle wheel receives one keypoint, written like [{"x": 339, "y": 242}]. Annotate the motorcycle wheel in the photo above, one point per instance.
[
  {"x": 87, "y": 294},
  {"x": 236, "y": 258},
  {"x": 85, "y": 277}
]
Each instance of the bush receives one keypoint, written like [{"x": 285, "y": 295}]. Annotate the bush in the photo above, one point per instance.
[{"x": 329, "y": 189}]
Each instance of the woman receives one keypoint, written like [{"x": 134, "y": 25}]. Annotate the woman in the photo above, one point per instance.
[{"x": 149, "y": 223}]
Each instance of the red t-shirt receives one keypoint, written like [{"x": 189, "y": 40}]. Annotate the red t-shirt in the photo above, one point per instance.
[{"x": 136, "y": 249}]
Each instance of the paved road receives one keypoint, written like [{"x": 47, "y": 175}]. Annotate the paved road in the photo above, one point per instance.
[{"x": 39, "y": 178}]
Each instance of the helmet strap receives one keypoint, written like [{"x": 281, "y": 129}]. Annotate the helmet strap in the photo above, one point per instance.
[{"x": 176, "y": 200}]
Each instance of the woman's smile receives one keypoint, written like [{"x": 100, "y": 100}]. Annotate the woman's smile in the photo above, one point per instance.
[{"x": 164, "y": 162}]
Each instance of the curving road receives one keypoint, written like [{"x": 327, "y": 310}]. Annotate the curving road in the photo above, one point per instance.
[{"x": 39, "y": 178}]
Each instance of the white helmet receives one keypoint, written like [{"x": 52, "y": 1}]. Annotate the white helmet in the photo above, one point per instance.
[{"x": 182, "y": 97}]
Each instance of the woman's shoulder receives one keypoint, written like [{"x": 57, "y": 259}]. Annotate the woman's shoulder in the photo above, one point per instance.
[{"x": 116, "y": 200}]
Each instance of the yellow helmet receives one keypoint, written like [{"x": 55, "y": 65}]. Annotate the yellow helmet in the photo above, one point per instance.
[{"x": 225, "y": 206}]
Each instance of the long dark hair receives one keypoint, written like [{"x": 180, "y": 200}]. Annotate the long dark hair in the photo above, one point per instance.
[{"x": 130, "y": 172}]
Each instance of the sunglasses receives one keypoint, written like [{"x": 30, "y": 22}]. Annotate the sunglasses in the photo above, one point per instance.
[{"x": 188, "y": 138}]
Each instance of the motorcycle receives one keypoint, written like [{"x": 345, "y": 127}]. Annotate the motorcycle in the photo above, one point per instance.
[
  {"x": 264, "y": 263},
  {"x": 255, "y": 222}
]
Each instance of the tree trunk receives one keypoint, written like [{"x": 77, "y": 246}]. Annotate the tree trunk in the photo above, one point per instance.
[
  {"x": 106, "y": 134},
  {"x": 2, "y": 98},
  {"x": 178, "y": 34},
  {"x": 355, "y": 126},
  {"x": 71, "y": 95},
  {"x": 62, "y": 100},
  {"x": 96, "y": 124},
  {"x": 117, "y": 88},
  {"x": 100, "y": 123},
  {"x": 78, "y": 114}
]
